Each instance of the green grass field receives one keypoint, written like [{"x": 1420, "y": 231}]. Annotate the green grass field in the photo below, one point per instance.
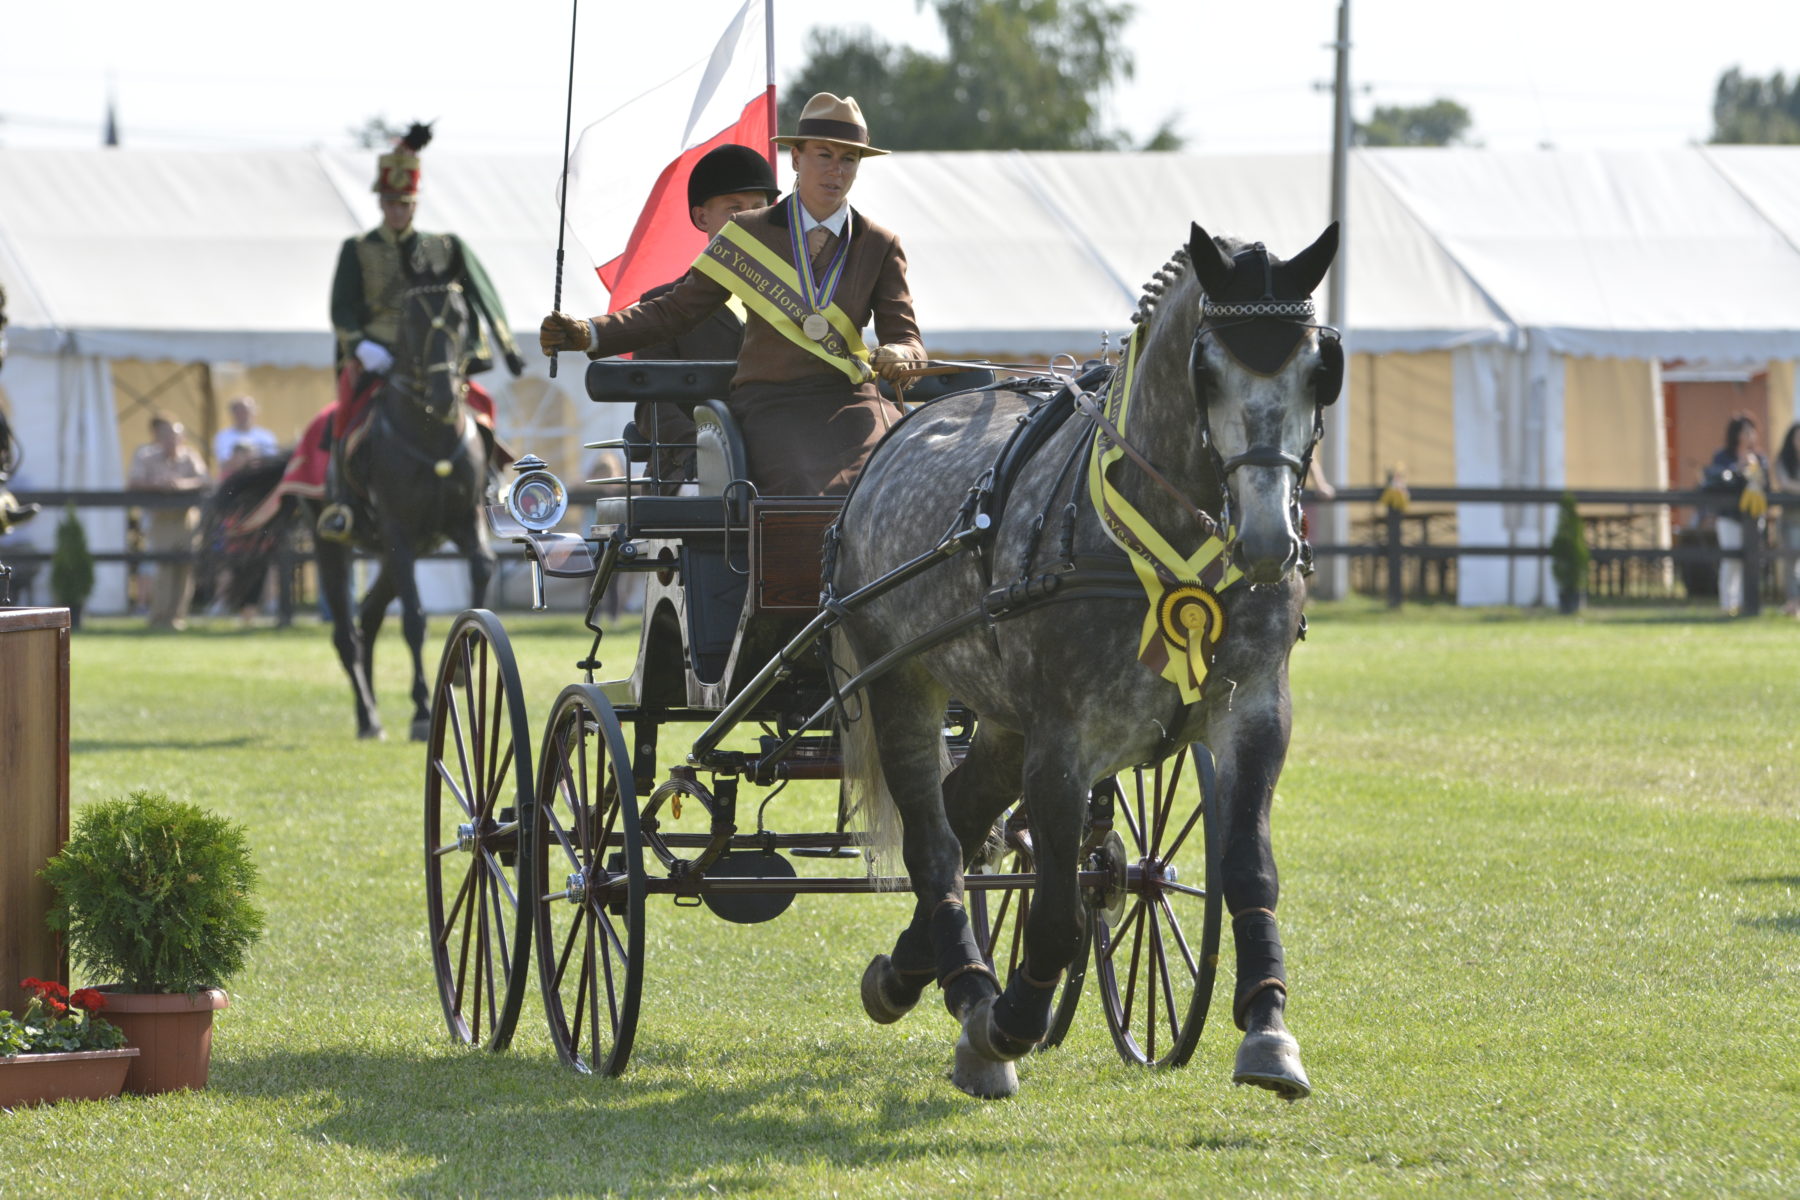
[{"x": 1541, "y": 903}]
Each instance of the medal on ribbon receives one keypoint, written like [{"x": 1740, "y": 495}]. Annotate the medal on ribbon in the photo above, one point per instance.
[{"x": 817, "y": 291}]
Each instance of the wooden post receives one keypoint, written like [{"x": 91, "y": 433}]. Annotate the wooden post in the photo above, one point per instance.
[
  {"x": 1396, "y": 585},
  {"x": 34, "y": 791}
]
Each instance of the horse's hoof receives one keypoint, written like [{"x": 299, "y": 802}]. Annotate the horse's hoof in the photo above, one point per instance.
[
  {"x": 373, "y": 733},
  {"x": 421, "y": 729},
  {"x": 989, "y": 1040},
  {"x": 881, "y": 1009},
  {"x": 982, "y": 1078},
  {"x": 1272, "y": 1060}
]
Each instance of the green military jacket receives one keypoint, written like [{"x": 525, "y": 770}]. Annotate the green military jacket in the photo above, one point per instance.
[{"x": 370, "y": 281}]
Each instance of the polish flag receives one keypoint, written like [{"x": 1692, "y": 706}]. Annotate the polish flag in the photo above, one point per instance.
[{"x": 629, "y": 171}]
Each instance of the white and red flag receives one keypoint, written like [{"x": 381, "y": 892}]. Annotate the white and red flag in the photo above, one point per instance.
[{"x": 628, "y": 173}]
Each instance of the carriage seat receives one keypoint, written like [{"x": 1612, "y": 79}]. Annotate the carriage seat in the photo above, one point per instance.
[{"x": 695, "y": 387}]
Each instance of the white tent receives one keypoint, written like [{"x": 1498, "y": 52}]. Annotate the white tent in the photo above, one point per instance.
[{"x": 1507, "y": 312}]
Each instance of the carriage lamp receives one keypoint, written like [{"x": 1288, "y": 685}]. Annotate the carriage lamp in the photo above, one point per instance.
[{"x": 536, "y": 499}]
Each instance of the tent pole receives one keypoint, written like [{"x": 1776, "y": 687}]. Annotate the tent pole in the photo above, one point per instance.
[{"x": 1333, "y": 579}]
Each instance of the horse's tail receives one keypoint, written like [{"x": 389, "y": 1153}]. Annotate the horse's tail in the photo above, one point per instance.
[
  {"x": 867, "y": 794},
  {"x": 242, "y": 524}
]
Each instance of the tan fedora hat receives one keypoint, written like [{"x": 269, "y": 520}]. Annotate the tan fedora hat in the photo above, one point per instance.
[{"x": 827, "y": 118}]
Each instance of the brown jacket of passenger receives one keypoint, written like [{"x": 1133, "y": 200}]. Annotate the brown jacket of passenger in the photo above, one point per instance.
[{"x": 873, "y": 288}]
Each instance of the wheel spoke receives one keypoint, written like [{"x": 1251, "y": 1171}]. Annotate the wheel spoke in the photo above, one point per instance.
[
  {"x": 462, "y": 894},
  {"x": 444, "y": 772},
  {"x": 1187, "y": 954},
  {"x": 1160, "y": 961},
  {"x": 1114, "y": 937},
  {"x": 1137, "y": 945}
]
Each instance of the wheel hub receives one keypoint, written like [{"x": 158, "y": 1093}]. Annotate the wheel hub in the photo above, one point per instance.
[{"x": 465, "y": 838}]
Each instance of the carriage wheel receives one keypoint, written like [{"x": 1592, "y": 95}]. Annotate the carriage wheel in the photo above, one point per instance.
[
  {"x": 1156, "y": 963},
  {"x": 998, "y": 917},
  {"x": 585, "y": 846},
  {"x": 477, "y": 781}
]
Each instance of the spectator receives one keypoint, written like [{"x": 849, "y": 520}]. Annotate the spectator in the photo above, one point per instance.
[
  {"x": 243, "y": 441},
  {"x": 1736, "y": 466},
  {"x": 1787, "y": 479},
  {"x": 169, "y": 464}
]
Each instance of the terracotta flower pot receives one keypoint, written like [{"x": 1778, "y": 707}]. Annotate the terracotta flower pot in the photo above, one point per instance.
[
  {"x": 28, "y": 1079},
  {"x": 174, "y": 1031}
]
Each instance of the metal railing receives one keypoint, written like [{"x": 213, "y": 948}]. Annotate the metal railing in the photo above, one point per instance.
[
  {"x": 1400, "y": 543},
  {"x": 1418, "y": 542}
]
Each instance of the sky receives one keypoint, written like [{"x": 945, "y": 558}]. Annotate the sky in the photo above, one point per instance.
[{"x": 1238, "y": 77}]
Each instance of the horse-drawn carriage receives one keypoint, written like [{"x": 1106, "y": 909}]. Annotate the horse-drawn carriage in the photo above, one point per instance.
[{"x": 777, "y": 616}]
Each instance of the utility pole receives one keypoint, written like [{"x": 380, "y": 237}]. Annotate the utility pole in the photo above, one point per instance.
[{"x": 1333, "y": 579}]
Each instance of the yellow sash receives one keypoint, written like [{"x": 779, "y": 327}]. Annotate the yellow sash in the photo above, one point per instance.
[
  {"x": 1184, "y": 621},
  {"x": 770, "y": 287}
]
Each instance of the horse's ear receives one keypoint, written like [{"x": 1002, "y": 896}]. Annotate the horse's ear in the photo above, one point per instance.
[
  {"x": 1211, "y": 267},
  {"x": 1328, "y": 376},
  {"x": 1308, "y": 267}
]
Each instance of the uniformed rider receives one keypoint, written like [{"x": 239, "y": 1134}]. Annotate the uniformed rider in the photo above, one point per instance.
[
  {"x": 812, "y": 273},
  {"x": 372, "y": 278}
]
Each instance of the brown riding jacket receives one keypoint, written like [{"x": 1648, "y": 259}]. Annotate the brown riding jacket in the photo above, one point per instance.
[{"x": 872, "y": 289}]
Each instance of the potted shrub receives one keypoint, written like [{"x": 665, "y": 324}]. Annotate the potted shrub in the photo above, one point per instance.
[
  {"x": 58, "y": 1049},
  {"x": 71, "y": 566},
  {"x": 155, "y": 893},
  {"x": 1569, "y": 557}
]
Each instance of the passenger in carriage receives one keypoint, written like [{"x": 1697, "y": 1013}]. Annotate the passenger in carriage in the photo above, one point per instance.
[
  {"x": 804, "y": 392},
  {"x": 726, "y": 181}
]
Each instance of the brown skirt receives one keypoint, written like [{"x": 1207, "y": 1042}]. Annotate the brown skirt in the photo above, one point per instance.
[{"x": 809, "y": 437}]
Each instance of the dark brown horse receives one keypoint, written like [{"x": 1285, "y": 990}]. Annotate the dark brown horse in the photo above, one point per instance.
[{"x": 419, "y": 472}]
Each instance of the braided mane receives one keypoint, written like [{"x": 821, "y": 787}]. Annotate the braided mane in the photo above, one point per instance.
[{"x": 1160, "y": 283}]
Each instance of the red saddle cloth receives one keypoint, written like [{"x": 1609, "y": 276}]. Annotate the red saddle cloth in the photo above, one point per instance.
[{"x": 348, "y": 419}]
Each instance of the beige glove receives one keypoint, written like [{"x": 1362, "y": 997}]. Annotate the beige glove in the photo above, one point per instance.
[
  {"x": 560, "y": 331},
  {"x": 895, "y": 363}
]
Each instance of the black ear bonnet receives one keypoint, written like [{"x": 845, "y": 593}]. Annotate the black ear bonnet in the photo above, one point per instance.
[{"x": 1260, "y": 307}]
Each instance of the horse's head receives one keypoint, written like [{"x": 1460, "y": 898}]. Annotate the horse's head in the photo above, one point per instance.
[
  {"x": 437, "y": 335},
  {"x": 1263, "y": 371}
]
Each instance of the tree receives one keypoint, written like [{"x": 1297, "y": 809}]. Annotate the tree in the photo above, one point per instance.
[
  {"x": 1760, "y": 111},
  {"x": 1017, "y": 75},
  {"x": 1440, "y": 123}
]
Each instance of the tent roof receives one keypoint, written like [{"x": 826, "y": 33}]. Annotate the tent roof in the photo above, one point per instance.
[
  {"x": 1690, "y": 253},
  {"x": 1629, "y": 254}
]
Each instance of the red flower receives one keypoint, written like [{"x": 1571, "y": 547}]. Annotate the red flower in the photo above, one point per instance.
[
  {"x": 89, "y": 999},
  {"x": 57, "y": 1007},
  {"x": 31, "y": 983},
  {"x": 49, "y": 989}
]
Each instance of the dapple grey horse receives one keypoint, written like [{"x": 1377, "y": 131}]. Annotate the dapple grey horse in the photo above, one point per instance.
[{"x": 1225, "y": 409}]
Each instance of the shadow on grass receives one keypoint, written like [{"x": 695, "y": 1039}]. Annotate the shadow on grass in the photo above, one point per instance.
[
  {"x": 1768, "y": 880},
  {"x": 101, "y": 745},
  {"x": 1782, "y": 923},
  {"x": 521, "y": 1125}
]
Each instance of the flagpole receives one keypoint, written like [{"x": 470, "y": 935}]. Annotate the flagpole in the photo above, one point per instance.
[
  {"x": 769, "y": 41},
  {"x": 562, "y": 204}
]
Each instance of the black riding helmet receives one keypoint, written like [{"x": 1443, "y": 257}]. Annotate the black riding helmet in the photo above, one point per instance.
[{"x": 730, "y": 168}]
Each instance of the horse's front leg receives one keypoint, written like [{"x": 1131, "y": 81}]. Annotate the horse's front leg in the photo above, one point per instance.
[
  {"x": 1008, "y": 1026},
  {"x": 471, "y": 543},
  {"x": 369, "y": 617},
  {"x": 333, "y": 562},
  {"x": 1250, "y": 742},
  {"x": 402, "y": 566}
]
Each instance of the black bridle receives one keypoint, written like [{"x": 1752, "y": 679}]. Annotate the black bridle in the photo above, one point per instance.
[{"x": 1217, "y": 319}]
